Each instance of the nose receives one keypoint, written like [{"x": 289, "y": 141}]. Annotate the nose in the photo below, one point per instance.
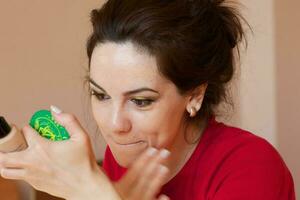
[{"x": 120, "y": 122}]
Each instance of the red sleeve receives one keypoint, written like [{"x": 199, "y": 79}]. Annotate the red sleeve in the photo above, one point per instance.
[{"x": 255, "y": 171}]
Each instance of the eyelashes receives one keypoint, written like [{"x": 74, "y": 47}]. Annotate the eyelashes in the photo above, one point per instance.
[
  {"x": 140, "y": 102},
  {"x": 99, "y": 96},
  {"x": 143, "y": 102}
]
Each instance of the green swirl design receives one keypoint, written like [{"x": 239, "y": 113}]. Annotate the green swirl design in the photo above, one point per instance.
[{"x": 44, "y": 123}]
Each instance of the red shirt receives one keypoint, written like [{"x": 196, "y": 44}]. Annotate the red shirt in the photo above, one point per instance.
[{"x": 227, "y": 164}]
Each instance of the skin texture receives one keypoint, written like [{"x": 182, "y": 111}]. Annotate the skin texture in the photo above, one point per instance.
[{"x": 130, "y": 126}]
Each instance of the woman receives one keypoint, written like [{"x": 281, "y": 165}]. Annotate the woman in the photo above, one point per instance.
[{"x": 157, "y": 71}]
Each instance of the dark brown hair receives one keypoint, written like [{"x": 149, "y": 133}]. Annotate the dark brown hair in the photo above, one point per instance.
[{"x": 194, "y": 41}]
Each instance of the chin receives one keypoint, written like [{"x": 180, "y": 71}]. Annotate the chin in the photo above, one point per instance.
[
  {"x": 126, "y": 155},
  {"x": 125, "y": 162},
  {"x": 124, "y": 159}
]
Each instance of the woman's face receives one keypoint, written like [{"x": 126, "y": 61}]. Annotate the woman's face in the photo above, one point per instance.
[{"x": 133, "y": 105}]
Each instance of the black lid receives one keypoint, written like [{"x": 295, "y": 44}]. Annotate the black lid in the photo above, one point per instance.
[{"x": 4, "y": 127}]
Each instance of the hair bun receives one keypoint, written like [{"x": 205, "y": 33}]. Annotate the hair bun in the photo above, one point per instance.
[{"x": 228, "y": 15}]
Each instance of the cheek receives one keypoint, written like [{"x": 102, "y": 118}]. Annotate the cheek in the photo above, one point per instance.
[
  {"x": 159, "y": 128},
  {"x": 101, "y": 114},
  {"x": 165, "y": 134}
]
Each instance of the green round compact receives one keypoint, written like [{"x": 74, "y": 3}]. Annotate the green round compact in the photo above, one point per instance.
[{"x": 44, "y": 123}]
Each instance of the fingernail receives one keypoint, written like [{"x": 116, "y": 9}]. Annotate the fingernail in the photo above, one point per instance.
[
  {"x": 163, "y": 169},
  {"x": 164, "y": 197},
  {"x": 151, "y": 151},
  {"x": 164, "y": 153},
  {"x": 55, "y": 109}
]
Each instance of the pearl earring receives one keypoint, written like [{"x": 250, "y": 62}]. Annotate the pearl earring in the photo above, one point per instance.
[{"x": 193, "y": 112}]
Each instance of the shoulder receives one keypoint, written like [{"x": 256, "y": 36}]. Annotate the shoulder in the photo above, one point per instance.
[
  {"x": 236, "y": 147},
  {"x": 242, "y": 145},
  {"x": 245, "y": 161},
  {"x": 233, "y": 140}
]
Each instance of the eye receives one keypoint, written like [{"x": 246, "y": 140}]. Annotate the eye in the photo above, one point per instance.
[
  {"x": 99, "y": 96},
  {"x": 142, "y": 102}
]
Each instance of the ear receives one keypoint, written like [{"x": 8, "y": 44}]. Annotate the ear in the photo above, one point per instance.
[{"x": 196, "y": 98}]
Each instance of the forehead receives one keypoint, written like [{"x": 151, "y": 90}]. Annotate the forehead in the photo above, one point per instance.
[{"x": 125, "y": 65}]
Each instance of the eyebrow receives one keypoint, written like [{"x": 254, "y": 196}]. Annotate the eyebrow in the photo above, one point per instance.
[{"x": 125, "y": 93}]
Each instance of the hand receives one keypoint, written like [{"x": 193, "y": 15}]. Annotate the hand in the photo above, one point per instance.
[
  {"x": 145, "y": 177},
  {"x": 59, "y": 168}
]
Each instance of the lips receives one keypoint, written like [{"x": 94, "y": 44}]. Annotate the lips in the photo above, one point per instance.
[{"x": 129, "y": 143}]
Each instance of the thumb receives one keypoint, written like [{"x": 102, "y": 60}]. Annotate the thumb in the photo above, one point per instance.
[{"x": 70, "y": 122}]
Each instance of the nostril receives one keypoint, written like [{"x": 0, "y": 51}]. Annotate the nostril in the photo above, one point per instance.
[{"x": 122, "y": 128}]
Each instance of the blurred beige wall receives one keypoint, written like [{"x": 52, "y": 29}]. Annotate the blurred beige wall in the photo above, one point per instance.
[
  {"x": 43, "y": 62},
  {"x": 287, "y": 83},
  {"x": 257, "y": 81}
]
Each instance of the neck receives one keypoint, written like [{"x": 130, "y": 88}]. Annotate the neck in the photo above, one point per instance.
[{"x": 183, "y": 148}]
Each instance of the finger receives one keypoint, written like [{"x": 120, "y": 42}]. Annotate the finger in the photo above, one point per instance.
[
  {"x": 163, "y": 197},
  {"x": 14, "y": 174},
  {"x": 33, "y": 137},
  {"x": 126, "y": 185},
  {"x": 150, "y": 184},
  {"x": 137, "y": 167},
  {"x": 150, "y": 171},
  {"x": 155, "y": 182},
  {"x": 13, "y": 160},
  {"x": 150, "y": 158},
  {"x": 70, "y": 122}
]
